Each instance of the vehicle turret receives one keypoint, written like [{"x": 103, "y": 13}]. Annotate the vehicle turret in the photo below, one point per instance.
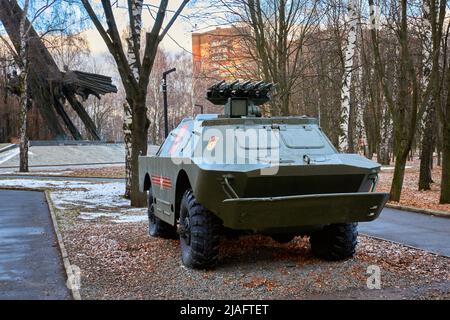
[{"x": 240, "y": 99}]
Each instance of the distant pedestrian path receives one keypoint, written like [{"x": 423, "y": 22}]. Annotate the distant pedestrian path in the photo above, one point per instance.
[
  {"x": 414, "y": 229},
  {"x": 54, "y": 154},
  {"x": 30, "y": 261}
]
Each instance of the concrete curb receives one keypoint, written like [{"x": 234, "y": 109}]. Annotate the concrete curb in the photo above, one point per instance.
[
  {"x": 437, "y": 213},
  {"x": 67, "y": 266}
]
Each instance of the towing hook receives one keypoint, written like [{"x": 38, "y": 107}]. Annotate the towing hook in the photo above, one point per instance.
[
  {"x": 306, "y": 159},
  {"x": 227, "y": 188}
]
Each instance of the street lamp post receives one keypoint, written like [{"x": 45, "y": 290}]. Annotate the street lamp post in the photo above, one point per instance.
[{"x": 164, "y": 90}]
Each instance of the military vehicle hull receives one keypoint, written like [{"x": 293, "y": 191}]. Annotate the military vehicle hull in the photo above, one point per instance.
[
  {"x": 276, "y": 176},
  {"x": 294, "y": 197}
]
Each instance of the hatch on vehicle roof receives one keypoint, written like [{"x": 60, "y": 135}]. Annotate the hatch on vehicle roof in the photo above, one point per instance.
[
  {"x": 302, "y": 137},
  {"x": 206, "y": 116}
]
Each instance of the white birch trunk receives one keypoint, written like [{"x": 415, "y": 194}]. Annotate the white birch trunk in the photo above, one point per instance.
[
  {"x": 347, "y": 77},
  {"x": 427, "y": 62},
  {"x": 127, "y": 122},
  {"x": 386, "y": 132},
  {"x": 360, "y": 107},
  {"x": 23, "y": 85},
  {"x": 135, "y": 29}
]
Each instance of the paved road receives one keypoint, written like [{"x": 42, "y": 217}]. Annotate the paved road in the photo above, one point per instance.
[
  {"x": 30, "y": 262},
  {"x": 414, "y": 229}
]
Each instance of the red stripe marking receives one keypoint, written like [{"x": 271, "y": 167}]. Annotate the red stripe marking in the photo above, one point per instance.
[{"x": 162, "y": 182}]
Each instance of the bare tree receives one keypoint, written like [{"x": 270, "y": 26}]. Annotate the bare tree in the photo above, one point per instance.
[
  {"x": 23, "y": 64},
  {"x": 135, "y": 78},
  {"x": 46, "y": 81},
  {"x": 405, "y": 111},
  {"x": 275, "y": 34},
  {"x": 23, "y": 88},
  {"x": 347, "y": 77},
  {"x": 444, "y": 109}
]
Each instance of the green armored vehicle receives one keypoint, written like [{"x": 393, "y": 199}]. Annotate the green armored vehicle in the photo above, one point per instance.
[{"x": 243, "y": 173}]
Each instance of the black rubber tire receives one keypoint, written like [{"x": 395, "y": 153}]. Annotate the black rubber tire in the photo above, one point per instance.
[
  {"x": 283, "y": 237},
  {"x": 199, "y": 234},
  {"x": 157, "y": 227},
  {"x": 335, "y": 242}
]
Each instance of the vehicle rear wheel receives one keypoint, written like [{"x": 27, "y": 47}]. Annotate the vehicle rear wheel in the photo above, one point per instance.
[
  {"x": 283, "y": 237},
  {"x": 157, "y": 227},
  {"x": 199, "y": 234},
  {"x": 335, "y": 242}
]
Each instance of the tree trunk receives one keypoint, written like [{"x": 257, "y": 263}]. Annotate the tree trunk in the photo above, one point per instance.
[
  {"x": 445, "y": 179},
  {"x": 127, "y": 129},
  {"x": 426, "y": 156},
  {"x": 347, "y": 78},
  {"x": 133, "y": 57},
  {"x": 383, "y": 156},
  {"x": 399, "y": 174},
  {"x": 24, "y": 99},
  {"x": 140, "y": 125},
  {"x": 23, "y": 135},
  {"x": 428, "y": 73},
  {"x": 439, "y": 154}
]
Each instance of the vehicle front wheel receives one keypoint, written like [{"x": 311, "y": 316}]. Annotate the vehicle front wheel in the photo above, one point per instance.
[
  {"x": 335, "y": 242},
  {"x": 199, "y": 234},
  {"x": 157, "y": 227}
]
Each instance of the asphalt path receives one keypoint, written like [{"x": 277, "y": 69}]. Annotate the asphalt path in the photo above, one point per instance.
[
  {"x": 417, "y": 230},
  {"x": 30, "y": 261}
]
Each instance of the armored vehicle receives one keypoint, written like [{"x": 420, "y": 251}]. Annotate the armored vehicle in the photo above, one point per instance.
[{"x": 278, "y": 176}]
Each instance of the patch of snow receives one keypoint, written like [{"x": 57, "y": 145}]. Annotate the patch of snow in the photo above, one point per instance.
[
  {"x": 392, "y": 168},
  {"x": 40, "y": 173},
  {"x": 9, "y": 155},
  {"x": 95, "y": 215},
  {"x": 66, "y": 194},
  {"x": 136, "y": 210},
  {"x": 131, "y": 218},
  {"x": 93, "y": 199}
]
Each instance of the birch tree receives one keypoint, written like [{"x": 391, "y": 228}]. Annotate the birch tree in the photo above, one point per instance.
[
  {"x": 23, "y": 88},
  {"x": 134, "y": 46},
  {"x": 426, "y": 156},
  {"x": 344, "y": 142}
]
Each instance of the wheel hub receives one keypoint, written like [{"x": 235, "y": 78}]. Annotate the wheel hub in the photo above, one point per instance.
[{"x": 184, "y": 230}]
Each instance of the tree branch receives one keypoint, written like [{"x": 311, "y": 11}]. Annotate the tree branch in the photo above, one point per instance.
[
  {"x": 174, "y": 17},
  {"x": 151, "y": 45},
  {"x": 97, "y": 24}
]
